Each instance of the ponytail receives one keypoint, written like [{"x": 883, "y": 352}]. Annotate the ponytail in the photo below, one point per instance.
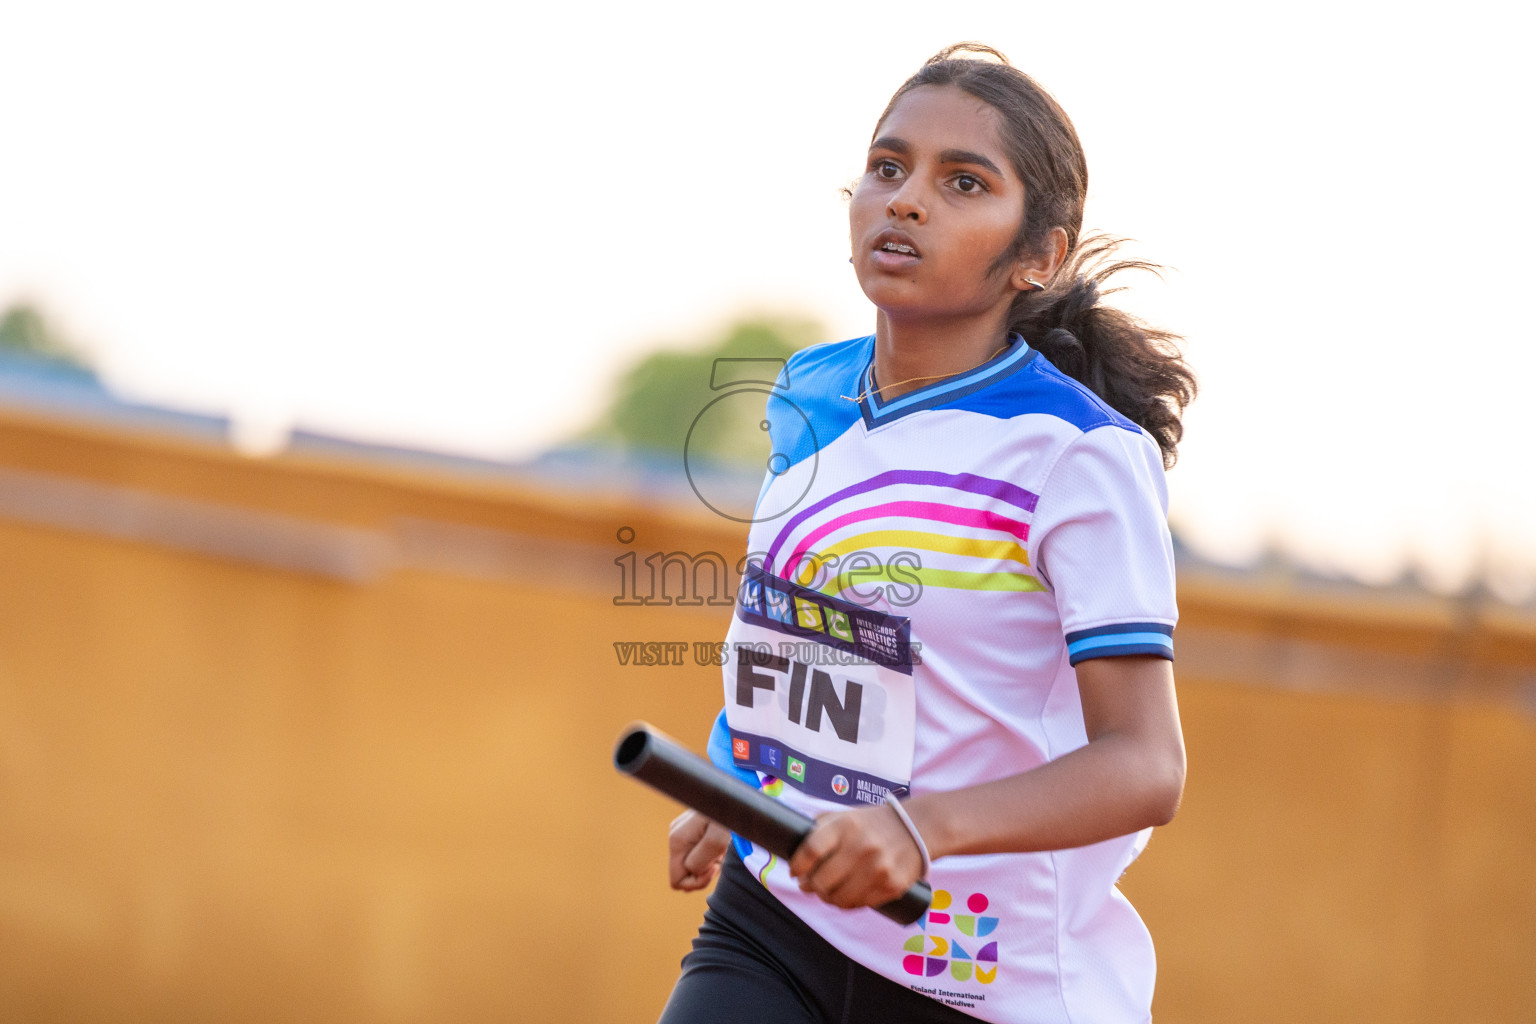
[{"x": 1134, "y": 368}]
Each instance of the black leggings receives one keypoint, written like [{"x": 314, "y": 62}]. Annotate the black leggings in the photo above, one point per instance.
[{"x": 755, "y": 962}]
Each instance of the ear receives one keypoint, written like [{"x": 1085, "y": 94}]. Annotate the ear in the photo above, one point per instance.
[{"x": 1042, "y": 266}]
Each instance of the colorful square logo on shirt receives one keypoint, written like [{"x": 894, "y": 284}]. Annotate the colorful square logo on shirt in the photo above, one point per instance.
[
  {"x": 751, "y": 594},
  {"x": 741, "y": 749},
  {"x": 838, "y": 625},
  {"x": 808, "y": 614},
  {"x": 770, "y": 756},
  {"x": 938, "y": 950},
  {"x": 797, "y": 769},
  {"x": 779, "y": 608}
]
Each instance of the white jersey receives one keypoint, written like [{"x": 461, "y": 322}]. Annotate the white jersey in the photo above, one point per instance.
[{"x": 938, "y": 564}]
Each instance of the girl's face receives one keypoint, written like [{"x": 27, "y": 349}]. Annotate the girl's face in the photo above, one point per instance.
[{"x": 939, "y": 202}]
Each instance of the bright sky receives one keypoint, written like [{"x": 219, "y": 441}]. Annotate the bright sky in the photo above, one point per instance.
[{"x": 449, "y": 225}]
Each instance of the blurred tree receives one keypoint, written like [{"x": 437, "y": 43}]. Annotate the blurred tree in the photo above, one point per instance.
[
  {"x": 658, "y": 400},
  {"x": 23, "y": 329}
]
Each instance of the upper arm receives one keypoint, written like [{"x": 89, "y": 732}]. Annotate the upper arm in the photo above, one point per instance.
[
  {"x": 1130, "y": 696},
  {"x": 1132, "y": 699}
]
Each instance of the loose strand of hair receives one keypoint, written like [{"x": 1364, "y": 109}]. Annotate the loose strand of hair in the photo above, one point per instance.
[{"x": 1137, "y": 369}]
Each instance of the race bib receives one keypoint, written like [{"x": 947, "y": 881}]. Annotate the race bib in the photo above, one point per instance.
[{"x": 818, "y": 691}]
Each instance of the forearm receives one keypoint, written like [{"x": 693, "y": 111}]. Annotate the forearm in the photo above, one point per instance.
[
  {"x": 1128, "y": 777},
  {"x": 1108, "y": 788}
]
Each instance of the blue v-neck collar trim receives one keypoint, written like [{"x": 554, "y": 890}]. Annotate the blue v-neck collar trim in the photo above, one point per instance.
[{"x": 942, "y": 392}]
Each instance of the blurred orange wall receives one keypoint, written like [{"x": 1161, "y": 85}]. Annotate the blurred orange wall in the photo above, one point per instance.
[{"x": 303, "y": 739}]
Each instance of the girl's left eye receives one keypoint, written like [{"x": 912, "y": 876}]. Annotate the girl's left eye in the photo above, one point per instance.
[{"x": 969, "y": 183}]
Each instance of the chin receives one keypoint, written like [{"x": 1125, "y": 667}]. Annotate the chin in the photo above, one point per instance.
[
  {"x": 892, "y": 295},
  {"x": 904, "y": 309}
]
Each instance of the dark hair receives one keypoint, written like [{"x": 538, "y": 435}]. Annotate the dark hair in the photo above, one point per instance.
[{"x": 1135, "y": 368}]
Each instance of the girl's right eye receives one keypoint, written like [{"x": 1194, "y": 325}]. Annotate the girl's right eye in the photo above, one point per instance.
[{"x": 886, "y": 169}]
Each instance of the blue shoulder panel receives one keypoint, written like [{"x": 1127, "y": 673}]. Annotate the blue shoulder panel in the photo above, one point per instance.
[
  {"x": 813, "y": 400},
  {"x": 1038, "y": 387},
  {"x": 807, "y": 409}
]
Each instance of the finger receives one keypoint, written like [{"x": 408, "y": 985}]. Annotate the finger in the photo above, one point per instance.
[
  {"x": 677, "y": 875},
  {"x": 862, "y": 888},
  {"x": 857, "y": 868},
  {"x": 688, "y": 878},
  {"x": 828, "y": 846},
  {"x": 836, "y": 873},
  {"x": 705, "y": 855},
  {"x": 699, "y": 864},
  {"x": 813, "y": 849},
  {"x": 686, "y": 828},
  {"x": 682, "y": 838}
]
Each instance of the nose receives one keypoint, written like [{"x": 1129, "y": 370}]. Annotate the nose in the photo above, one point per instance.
[{"x": 907, "y": 204}]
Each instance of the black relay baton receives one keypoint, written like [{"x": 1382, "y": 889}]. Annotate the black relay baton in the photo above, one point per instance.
[{"x": 665, "y": 765}]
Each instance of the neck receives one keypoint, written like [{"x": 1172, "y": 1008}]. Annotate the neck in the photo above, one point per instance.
[{"x": 911, "y": 355}]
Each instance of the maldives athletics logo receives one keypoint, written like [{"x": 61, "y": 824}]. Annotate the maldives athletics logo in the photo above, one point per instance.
[
  {"x": 949, "y": 942},
  {"x": 840, "y": 785}
]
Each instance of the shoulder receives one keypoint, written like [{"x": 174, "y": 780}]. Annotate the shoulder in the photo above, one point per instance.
[
  {"x": 810, "y": 404},
  {"x": 815, "y": 379},
  {"x": 819, "y": 363},
  {"x": 1074, "y": 401},
  {"x": 1039, "y": 388},
  {"x": 1096, "y": 457}
]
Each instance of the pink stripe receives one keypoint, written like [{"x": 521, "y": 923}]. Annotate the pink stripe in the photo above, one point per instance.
[{"x": 979, "y": 518}]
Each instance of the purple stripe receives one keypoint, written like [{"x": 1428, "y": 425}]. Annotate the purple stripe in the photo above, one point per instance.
[
  {"x": 979, "y": 518},
  {"x": 968, "y": 482}
]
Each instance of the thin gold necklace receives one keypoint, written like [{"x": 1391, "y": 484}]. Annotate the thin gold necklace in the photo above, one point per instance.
[{"x": 935, "y": 376}]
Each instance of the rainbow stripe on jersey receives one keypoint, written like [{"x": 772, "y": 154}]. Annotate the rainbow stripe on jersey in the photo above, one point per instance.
[{"x": 968, "y": 532}]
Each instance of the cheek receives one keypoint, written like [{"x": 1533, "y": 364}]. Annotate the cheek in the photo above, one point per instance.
[
  {"x": 861, "y": 207},
  {"x": 988, "y": 240}
]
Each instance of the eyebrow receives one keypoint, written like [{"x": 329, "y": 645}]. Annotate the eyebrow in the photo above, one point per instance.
[{"x": 948, "y": 156}]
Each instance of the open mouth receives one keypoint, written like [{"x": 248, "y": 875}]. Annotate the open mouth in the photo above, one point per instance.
[{"x": 896, "y": 243}]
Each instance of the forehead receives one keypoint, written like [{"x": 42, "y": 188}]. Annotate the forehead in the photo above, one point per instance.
[{"x": 945, "y": 117}]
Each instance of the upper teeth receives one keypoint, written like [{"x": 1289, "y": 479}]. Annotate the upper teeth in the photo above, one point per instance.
[{"x": 899, "y": 247}]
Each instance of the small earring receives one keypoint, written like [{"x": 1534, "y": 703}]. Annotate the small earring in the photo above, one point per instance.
[{"x": 1037, "y": 286}]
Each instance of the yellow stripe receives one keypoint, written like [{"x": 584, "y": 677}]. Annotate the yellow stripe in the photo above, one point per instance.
[{"x": 918, "y": 540}]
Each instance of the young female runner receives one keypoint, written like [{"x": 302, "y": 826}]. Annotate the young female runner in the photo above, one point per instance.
[{"x": 954, "y": 650}]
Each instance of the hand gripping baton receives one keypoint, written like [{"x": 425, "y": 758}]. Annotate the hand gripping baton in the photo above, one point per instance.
[{"x": 661, "y": 763}]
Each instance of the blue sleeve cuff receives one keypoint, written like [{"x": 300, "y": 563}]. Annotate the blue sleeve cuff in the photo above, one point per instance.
[{"x": 1153, "y": 638}]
